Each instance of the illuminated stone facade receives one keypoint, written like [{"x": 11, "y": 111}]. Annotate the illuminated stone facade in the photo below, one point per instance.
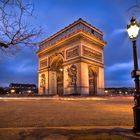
[{"x": 72, "y": 61}]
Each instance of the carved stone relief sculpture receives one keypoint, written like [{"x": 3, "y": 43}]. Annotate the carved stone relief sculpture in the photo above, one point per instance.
[
  {"x": 42, "y": 82},
  {"x": 72, "y": 74}
]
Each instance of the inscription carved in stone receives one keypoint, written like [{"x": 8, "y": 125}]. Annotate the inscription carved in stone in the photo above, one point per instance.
[
  {"x": 92, "y": 54},
  {"x": 72, "y": 52}
]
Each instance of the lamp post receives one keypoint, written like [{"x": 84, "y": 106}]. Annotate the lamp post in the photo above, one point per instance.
[{"x": 133, "y": 31}]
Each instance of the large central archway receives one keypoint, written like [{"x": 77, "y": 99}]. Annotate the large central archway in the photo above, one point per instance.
[
  {"x": 56, "y": 78},
  {"x": 92, "y": 82}
]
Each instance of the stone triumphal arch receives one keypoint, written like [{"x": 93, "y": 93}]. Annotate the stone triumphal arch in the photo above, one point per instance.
[{"x": 72, "y": 61}]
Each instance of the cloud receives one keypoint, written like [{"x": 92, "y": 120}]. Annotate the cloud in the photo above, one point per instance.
[
  {"x": 20, "y": 68},
  {"x": 120, "y": 66},
  {"x": 119, "y": 74}
]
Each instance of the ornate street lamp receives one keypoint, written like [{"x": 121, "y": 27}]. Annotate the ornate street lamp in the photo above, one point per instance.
[{"x": 133, "y": 31}]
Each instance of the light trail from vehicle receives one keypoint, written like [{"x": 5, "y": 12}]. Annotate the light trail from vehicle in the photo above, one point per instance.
[{"x": 52, "y": 98}]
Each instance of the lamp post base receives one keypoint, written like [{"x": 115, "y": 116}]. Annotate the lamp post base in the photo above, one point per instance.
[{"x": 136, "y": 111}]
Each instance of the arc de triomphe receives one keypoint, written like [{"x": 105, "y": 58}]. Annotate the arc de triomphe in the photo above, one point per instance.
[{"x": 72, "y": 61}]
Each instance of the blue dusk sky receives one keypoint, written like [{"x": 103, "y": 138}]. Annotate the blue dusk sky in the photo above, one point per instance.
[{"x": 110, "y": 16}]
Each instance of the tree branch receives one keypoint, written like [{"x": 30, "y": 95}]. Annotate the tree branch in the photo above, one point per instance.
[{"x": 14, "y": 31}]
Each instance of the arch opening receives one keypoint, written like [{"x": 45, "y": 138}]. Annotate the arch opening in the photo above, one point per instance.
[
  {"x": 56, "y": 76},
  {"x": 92, "y": 82}
]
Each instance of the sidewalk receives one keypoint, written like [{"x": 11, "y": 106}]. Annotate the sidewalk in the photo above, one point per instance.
[{"x": 69, "y": 133}]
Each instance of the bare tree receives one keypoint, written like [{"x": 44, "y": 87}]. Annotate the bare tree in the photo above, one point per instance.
[{"x": 14, "y": 28}]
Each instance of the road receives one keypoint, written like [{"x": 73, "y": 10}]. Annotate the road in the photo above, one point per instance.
[{"x": 64, "y": 118}]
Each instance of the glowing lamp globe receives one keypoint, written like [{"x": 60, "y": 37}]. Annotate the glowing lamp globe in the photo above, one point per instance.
[{"x": 133, "y": 29}]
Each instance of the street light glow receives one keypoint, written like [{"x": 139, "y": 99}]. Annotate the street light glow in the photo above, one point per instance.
[
  {"x": 61, "y": 69},
  {"x": 29, "y": 91},
  {"x": 106, "y": 91},
  {"x": 133, "y": 29},
  {"x": 12, "y": 91}
]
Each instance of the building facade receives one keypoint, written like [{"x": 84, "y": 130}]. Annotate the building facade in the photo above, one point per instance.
[
  {"x": 72, "y": 61},
  {"x": 22, "y": 88}
]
